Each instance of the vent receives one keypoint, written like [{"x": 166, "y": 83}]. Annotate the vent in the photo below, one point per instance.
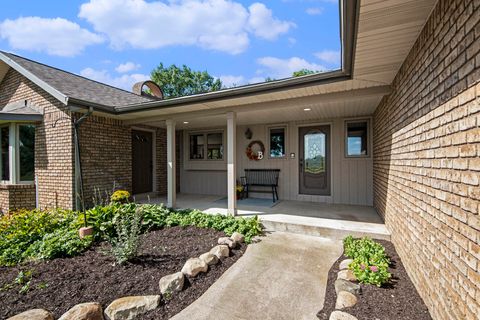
[{"x": 154, "y": 90}]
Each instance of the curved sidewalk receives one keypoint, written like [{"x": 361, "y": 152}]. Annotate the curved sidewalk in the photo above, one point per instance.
[{"x": 283, "y": 276}]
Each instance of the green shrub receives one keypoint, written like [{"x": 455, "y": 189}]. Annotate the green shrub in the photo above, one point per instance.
[
  {"x": 370, "y": 262},
  {"x": 34, "y": 234},
  {"x": 126, "y": 241},
  {"x": 120, "y": 196}
]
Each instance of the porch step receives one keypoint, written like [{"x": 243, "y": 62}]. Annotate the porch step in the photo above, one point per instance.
[{"x": 327, "y": 228}]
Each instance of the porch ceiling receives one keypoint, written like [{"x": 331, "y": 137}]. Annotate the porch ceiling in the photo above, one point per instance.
[
  {"x": 341, "y": 99},
  {"x": 387, "y": 30}
]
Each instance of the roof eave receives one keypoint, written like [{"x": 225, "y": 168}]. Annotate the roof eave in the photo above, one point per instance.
[{"x": 39, "y": 82}]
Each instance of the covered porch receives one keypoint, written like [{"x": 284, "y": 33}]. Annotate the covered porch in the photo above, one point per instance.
[{"x": 320, "y": 219}]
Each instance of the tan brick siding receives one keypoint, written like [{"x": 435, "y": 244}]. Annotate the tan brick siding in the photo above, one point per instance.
[
  {"x": 13, "y": 197},
  {"x": 427, "y": 165},
  {"x": 106, "y": 154},
  {"x": 53, "y": 141}
]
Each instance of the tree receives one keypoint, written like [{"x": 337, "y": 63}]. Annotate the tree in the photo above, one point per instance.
[
  {"x": 179, "y": 82},
  {"x": 303, "y": 72}
]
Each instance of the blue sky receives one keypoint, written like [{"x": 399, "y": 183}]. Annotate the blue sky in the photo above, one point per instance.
[{"x": 121, "y": 41}]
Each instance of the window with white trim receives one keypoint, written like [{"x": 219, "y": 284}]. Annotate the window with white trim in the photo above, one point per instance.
[
  {"x": 17, "y": 161},
  {"x": 206, "y": 146}
]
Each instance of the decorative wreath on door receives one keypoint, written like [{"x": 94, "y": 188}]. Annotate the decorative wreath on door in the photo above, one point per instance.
[{"x": 255, "y": 150}]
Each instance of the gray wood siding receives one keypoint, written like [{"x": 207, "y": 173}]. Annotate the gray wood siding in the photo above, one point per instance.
[{"x": 352, "y": 178}]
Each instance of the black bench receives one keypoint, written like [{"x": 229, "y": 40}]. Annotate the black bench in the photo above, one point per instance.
[{"x": 262, "y": 178}]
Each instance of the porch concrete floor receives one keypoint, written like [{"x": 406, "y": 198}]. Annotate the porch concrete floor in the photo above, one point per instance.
[
  {"x": 284, "y": 276},
  {"x": 311, "y": 218}
]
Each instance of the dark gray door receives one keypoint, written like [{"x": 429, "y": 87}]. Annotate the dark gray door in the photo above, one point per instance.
[
  {"x": 142, "y": 162},
  {"x": 314, "y": 160}
]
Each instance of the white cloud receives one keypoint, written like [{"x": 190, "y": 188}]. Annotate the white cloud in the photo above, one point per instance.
[
  {"x": 329, "y": 56},
  {"x": 221, "y": 25},
  {"x": 314, "y": 11},
  {"x": 284, "y": 68},
  {"x": 229, "y": 81},
  {"x": 56, "y": 36},
  {"x": 127, "y": 67},
  {"x": 125, "y": 81},
  {"x": 264, "y": 25}
]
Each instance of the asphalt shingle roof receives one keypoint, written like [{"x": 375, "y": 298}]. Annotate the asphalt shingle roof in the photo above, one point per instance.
[{"x": 78, "y": 87}]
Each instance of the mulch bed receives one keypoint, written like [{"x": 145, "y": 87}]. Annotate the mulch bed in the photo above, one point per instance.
[
  {"x": 59, "y": 284},
  {"x": 397, "y": 300}
]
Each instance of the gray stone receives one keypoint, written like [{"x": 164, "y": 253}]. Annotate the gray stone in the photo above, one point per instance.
[
  {"x": 227, "y": 241},
  {"x": 209, "y": 258},
  {"x": 346, "y": 275},
  {"x": 345, "y": 299},
  {"x": 34, "y": 314},
  {"x": 194, "y": 266},
  {"x": 84, "y": 311},
  {"x": 221, "y": 251},
  {"x": 128, "y": 308},
  {"x": 238, "y": 237},
  {"x": 340, "y": 315},
  {"x": 171, "y": 283},
  {"x": 345, "y": 285},
  {"x": 345, "y": 263}
]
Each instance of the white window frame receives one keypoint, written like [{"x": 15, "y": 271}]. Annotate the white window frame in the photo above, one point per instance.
[
  {"x": 367, "y": 155},
  {"x": 14, "y": 154},
  {"x": 285, "y": 132}
]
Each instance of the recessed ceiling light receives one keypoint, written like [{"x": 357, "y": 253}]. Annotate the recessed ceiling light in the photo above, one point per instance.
[
  {"x": 307, "y": 109},
  {"x": 185, "y": 122}
]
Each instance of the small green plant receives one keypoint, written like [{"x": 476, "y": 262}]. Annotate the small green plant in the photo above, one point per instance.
[
  {"x": 23, "y": 279},
  {"x": 120, "y": 196},
  {"x": 370, "y": 262},
  {"x": 127, "y": 240}
]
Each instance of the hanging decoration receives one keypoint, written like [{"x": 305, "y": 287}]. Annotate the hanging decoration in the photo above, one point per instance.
[{"x": 255, "y": 150}]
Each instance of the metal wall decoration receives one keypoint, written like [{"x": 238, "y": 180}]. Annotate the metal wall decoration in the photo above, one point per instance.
[{"x": 248, "y": 134}]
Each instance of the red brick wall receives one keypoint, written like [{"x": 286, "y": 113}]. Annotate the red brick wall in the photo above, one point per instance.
[
  {"x": 426, "y": 161},
  {"x": 53, "y": 141}
]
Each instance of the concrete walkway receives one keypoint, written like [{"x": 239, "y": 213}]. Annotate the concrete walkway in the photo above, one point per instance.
[{"x": 284, "y": 276}]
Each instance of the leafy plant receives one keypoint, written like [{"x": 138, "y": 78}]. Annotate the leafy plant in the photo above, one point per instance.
[
  {"x": 370, "y": 262},
  {"x": 35, "y": 234},
  {"x": 121, "y": 196},
  {"x": 127, "y": 239}
]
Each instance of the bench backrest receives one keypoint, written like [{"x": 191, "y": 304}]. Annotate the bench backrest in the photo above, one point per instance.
[{"x": 266, "y": 177}]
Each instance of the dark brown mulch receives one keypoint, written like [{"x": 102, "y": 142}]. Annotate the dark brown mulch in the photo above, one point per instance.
[
  {"x": 93, "y": 276},
  {"x": 397, "y": 300}
]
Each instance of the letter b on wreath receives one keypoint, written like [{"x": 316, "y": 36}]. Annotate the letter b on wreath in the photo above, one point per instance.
[{"x": 255, "y": 150}]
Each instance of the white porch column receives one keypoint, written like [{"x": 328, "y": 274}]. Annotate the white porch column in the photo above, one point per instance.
[
  {"x": 171, "y": 165},
  {"x": 231, "y": 162}
]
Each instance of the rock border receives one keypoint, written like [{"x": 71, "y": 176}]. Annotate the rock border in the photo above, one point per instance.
[
  {"x": 347, "y": 289},
  {"x": 128, "y": 307}
]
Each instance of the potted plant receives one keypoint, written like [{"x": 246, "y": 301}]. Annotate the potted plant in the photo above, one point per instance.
[{"x": 240, "y": 192}]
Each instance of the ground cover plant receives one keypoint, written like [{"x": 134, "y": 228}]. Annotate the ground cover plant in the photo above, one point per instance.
[
  {"x": 370, "y": 262},
  {"x": 34, "y": 234},
  {"x": 395, "y": 299}
]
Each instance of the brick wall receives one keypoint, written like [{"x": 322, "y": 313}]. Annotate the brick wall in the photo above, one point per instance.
[
  {"x": 53, "y": 141},
  {"x": 106, "y": 155},
  {"x": 14, "y": 197},
  {"x": 426, "y": 161}
]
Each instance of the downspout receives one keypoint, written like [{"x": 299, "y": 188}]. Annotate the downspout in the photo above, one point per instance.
[{"x": 79, "y": 198}]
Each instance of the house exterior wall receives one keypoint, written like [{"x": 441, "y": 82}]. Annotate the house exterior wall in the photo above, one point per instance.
[
  {"x": 106, "y": 155},
  {"x": 53, "y": 147},
  {"x": 427, "y": 161},
  {"x": 352, "y": 178},
  {"x": 17, "y": 196}
]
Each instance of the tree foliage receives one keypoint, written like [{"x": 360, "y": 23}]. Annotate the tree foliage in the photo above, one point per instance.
[
  {"x": 303, "y": 72},
  {"x": 179, "y": 82}
]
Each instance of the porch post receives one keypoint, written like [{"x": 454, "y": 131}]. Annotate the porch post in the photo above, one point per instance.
[
  {"x": 171, "y": 165},
  {"x": 231, "y": 160}
]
